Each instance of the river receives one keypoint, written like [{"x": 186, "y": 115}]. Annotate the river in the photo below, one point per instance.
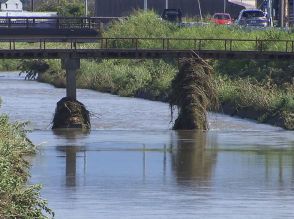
[{"x": 131, "y": 165}]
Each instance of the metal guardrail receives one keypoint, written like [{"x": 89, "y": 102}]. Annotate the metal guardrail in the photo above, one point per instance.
[
  {"x": 160, "y": 44},
  {"x": 55, "y": 22}
]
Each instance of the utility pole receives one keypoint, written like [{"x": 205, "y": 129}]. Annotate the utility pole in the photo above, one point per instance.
[
  {"x": 166, "y": 4},
  {"x": 282, "y": 12},
  {"x": 270, "y": 12},
  {"x": 32, "y": 5},
  {"x": 199, "y": 6},
  {"x": 286, "y": 19},
  {"x": 145, "y": 5},
  {"x": 86, "y": 8},
  {"x": 225, "y": 5}
]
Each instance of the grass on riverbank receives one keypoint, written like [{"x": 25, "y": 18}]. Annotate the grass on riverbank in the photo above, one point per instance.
[
  {"x": 265, "y": 103},
  {"x": 245, "y": 97},
  {"x": 152, "y": 78},
  {"x": 17, "y": 200}
]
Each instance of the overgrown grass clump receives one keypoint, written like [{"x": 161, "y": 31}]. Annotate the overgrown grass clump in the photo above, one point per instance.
[{"x": 18, "y": 200}]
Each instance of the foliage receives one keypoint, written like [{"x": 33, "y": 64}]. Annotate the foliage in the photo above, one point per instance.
[
  {"x": 140, "y": 24},
  {"x": 72, "y": 8},
  {"x": 8, "y": 64},
  {"x": 279, "y": 72},
  {"x": 32, "y": 68},
  {"x": 16, "y": 199},
  {"x": 63, "y": 7},
  {"x": 265, "y": 100}
]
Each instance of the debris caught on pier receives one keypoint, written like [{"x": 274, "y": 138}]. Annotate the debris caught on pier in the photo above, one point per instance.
[
  {"x": 32, "y": 68},
  {"x": 71, "y": 113},
  {"x": 193, "y": 92}
]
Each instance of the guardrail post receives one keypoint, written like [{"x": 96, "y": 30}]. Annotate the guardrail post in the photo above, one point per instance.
[
  {"x": 163, "y": 43},
  {"x": 230, "y": 45},
  {"x": 57, "y": 23},
  {"x": 292, "y": 45},
  {"x": 167, "y": 44},
  {"x": 287, "y": 46},
  {"x": 199, "y": 45},
  {"x": 225, "y": 45},
  {"x": 256, "y": 44},
  {"x": 27, "y": 23},
  {"x": 136, "y": 43}
]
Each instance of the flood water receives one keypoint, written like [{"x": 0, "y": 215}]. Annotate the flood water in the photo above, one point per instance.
[{"x": 131, "y": 165}]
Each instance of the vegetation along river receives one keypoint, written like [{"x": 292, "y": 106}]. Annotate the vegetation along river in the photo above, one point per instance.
[{"x": 131, "y": 165}]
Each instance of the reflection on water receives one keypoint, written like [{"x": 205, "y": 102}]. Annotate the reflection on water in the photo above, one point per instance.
[
  {"x": 166, "y": 174},
  {"x": 191, "y": 161},
  {"x": 71, "y": 152},
  {"x": 132, "y": 166}
]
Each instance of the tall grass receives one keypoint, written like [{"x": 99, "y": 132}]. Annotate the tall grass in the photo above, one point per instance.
[{"x": 17, "y": 200}]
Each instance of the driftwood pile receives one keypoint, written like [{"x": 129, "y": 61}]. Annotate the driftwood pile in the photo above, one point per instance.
[{"x": 71, "y": 113}]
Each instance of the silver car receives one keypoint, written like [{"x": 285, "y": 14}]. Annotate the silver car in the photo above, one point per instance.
[{"x": 253, "y": 18}]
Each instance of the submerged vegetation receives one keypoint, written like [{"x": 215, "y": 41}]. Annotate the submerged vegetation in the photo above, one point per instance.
[
  {"x": 261, "y": 90},
  {"x": 18, "y": 200}
]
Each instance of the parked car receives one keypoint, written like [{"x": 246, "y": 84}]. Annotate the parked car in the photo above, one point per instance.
[
  {"x": 222, "y": 18},
  {"x": 172, "y": 15},
  {"x": 252, "y": 17}
]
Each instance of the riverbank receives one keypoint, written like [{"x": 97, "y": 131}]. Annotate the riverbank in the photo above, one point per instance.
[
  {"x": 258, "y": 90},
  {"x": 18, "y": 200},
  {"x": 247, "y": 98}
]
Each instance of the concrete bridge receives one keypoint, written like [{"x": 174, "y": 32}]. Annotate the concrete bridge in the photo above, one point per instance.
[{"x": 71, "y": 50}]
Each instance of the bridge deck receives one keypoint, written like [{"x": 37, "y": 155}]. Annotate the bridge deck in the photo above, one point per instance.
[{"x": 147, "y": 48}]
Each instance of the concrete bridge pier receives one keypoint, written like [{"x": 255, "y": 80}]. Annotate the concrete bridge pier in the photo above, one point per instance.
[
  {"x": 69, "y": 112},
  {"x": 71, "y": 65}
]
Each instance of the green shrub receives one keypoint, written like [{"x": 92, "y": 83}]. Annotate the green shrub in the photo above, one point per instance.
[{"x": 17, "y": 200}]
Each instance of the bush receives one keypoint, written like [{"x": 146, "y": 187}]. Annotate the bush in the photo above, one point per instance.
[{"x": 17, "y": 200}]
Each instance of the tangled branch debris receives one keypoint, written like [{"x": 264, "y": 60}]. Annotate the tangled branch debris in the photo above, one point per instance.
[{"x": 71, "y": 113}]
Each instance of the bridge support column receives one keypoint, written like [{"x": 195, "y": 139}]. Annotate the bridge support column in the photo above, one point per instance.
[
  {"x": 69, "y": 112},
  {"x": 71, "y": 65}
]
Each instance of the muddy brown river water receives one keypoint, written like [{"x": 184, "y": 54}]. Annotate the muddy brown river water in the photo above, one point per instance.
[{"x": 131, "y": 165}]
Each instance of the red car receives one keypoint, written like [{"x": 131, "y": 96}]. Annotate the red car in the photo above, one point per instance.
[{"x": 222, "y": 18}]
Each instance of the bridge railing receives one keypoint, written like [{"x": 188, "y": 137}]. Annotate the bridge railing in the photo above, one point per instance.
[
  {"x": 199, "y": 44},
  {"x": 163, "y": 44},
  {"x": 55, "y": 22}
]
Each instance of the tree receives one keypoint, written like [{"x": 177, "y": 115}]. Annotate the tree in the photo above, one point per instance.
[{"x": 63, "y": 7}]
